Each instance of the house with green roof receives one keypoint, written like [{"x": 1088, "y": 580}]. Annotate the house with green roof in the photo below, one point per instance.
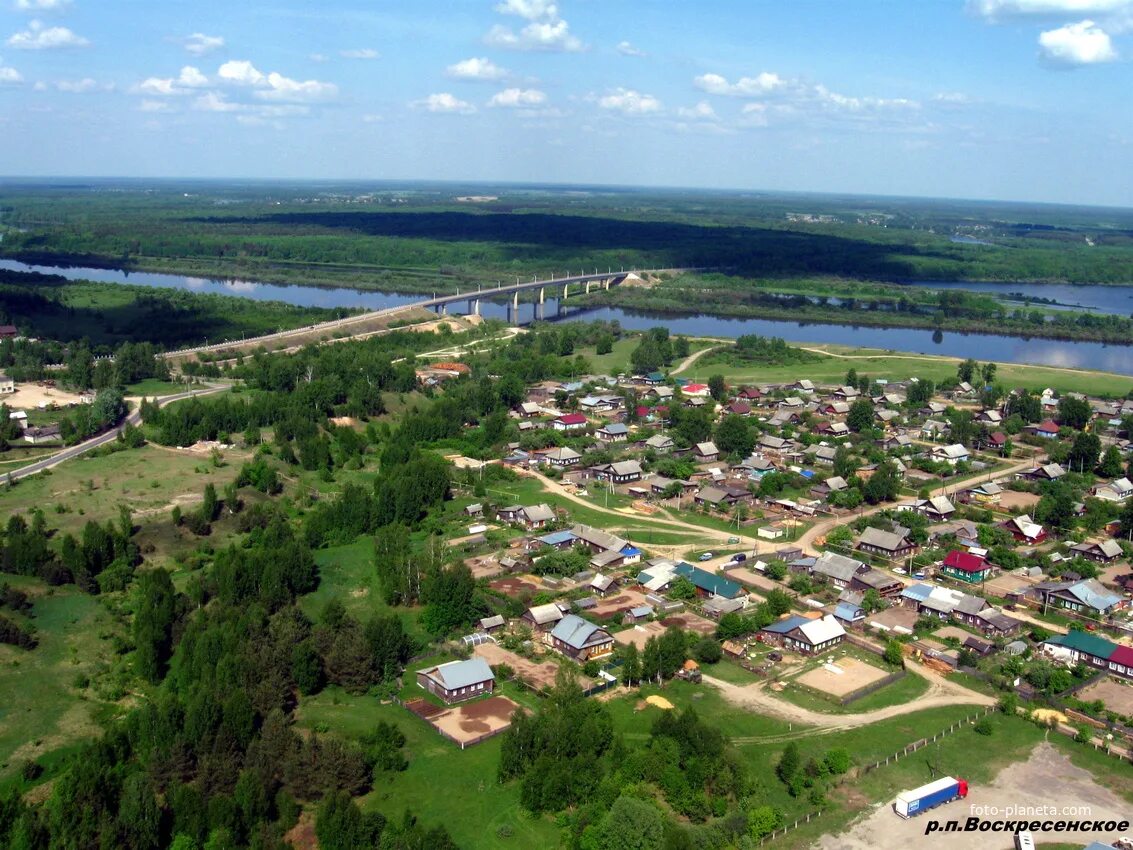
[{"x": 709, "y": 584}]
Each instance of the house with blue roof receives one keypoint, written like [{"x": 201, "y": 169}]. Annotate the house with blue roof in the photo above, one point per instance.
[
  {"x": 849, "y": 614},
  {"x": 580, "y": 639},
  {"x": 1087, "y": 596},
  {"x": 458, "y": 681},
  {"x": 558, "y": 539}
]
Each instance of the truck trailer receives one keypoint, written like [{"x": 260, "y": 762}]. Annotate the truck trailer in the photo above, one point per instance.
[{"x": 911, "y": 803}]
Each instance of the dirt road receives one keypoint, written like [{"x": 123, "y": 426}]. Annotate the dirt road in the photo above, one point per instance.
[
  {"x": 692, "y": 358},
  {"x": 1028, "y": 789},
  {"x": 941, "y": 692}
]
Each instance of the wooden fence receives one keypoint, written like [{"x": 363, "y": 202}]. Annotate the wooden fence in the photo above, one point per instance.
[
  {"x": 783, "y": 830},
  {"x": 924, "y": 742}
]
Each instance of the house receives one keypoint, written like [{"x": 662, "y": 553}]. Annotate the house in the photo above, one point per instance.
[
  {"x": 607, "y": 559},
  {"x": 805, "y": 636},
  {"x": 1117, "y": 490},
  {"x": 981, "y": 648},
  {"x": 1047, "y": 429},
  {"x": 937, "y": 508},
  {"x": 887, "y": 586},
  {"x": 597, "y": 540},
  {"x": 802, "y": 386},
  {"x": 561, "y": 456},
  {"x": 722, "y": 498},
  {"x": 637, "y": 614},
  {"x": 791, "y": 403},
  {"x": 601, "y": 403},
  {"x": 1102, "y": 552},
  {"x": 619, "y": 472},
  {"x": 8, "y": 332},
  {"x": 661, "y": 393},
  {"x": 7, "y": 384},
  {"x": 42, "y": 434},
  {"x": 986, "y": 494},
  {"x": 832, "y": 429},
  {"x": 717, "y": 606},
  {"x": 653, "y": 379},
  {"x": 1047, "y": 472},
  {"x": 657, "y": 575},
  {"x": 933, "y": 428},
  {"x": 887, "y": 417},
  {"x": 458, "y": 681},
  {"x": 602, "y": 584},
  {"x": 838, "y": 569},
  {"x": 1086, "y": 596},
  {"x": 834, "y": 408},
  {"x": 542, "y": 618},
  {"x": 995, "y": 623},
  {"x": 775, "y": 446},
  {"x": 827, "y": 488},
  {"x": 1025, "y": 530},
  {"x": 966, "y": 567},
  {"x": 989, "y": 417},
  {"x": 709, "y": 584},
  {"x": 529, "y": 516},
  {"x": 750, "y": 394},
  {"x": 951, "y": 455},
  {"x": 849, "y": 614},
  {"x": 613, "y": 433},
  {"x": 754, "y": 468},
  {"x": 1078, "y": 647},
  {"x": 705, "y": 452},
  {"x": 658, "y": 484},
  {"x": 560, "y": 540},
  {"x": 492, "y": 624},
  {"x": 885, "y": 543},
  {"x": 660, "y": 443},
  {"x": 569, "y": 422},
  {"x": 738, "y": 408},
  {"x": 476, "y": 510},
  {"x": 996, "y": 441},
  {"x": 695, "y": 390},
  {"x": 846, "y": 393},
  {"x": 580, "y": 639},
  {"x": 823, "y": 454},
  {"x": 933, "y": 408}
]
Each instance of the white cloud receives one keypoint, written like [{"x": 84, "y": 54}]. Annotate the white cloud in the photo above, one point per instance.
[
  {"x": 189, "y": 78},
  {"x": 998, "y": 9},
  {"x": 10, "y": 76},
  {"x": 317, "y": 57},
  {"x": 445, "y": 102},
  {"x": 476, "y": 68},
  {"x": 1083, "y": 43},
  {"x": 199, "y": 44},
  {"x": 154, "y": 106},
  {"x": 77, "y": 86},
  {"x": 703, "y": 111},
  {"x": 241, "y": 72},
  {"x": 42, "y": 5},
  {"x": 39, "y": 37},
  {"x": 630, "y": 102},
  {"x": 359, "y": 53},
  {"x": 758, "y": 86},
  {"x": 539, "y": 35},
  {"x": 215, "y": 102},
  {"x": 532, "y": 10},
  {"x": 627, "y": 49},
  {"x": 952, "y": 97},
  {"x": 518, "y": 98},
  {"x": 372, "y": 118},
  {"x": 285, "y": 89}
]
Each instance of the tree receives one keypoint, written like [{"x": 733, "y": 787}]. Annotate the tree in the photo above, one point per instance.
[
  {"x": 632, "y": 824},
  {"x": 883, "y": 485},
  {"x": 966, "y": 371},
  {"x": 872, "y": 601},
  {"x": 845, "y": 464},
  {"x": 989, "y": 370},
  {"x": 860, "y": 417},
  {"x": 1073, "y": 412},
  {"x": 851, "y": 379},
  {"x": 1111, "y": 464},
  {"x": 778, "y": 602},
  {"x": 893, "y": 654},
  {"x": 789, "y": 763},
  {"x": 153, "y": 623},
  {"x": 1084, "y": 453},
  {"x": 707, "y": 650},
  {"x": 717, "y": 388},
  {"x": 734, "y": 436},
  {"x": 682, "y": 588},
  {"x": 920, "y": 392},
  {"x": 631, "y": 665}
]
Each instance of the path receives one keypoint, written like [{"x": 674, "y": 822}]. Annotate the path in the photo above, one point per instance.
[
  {"x": 821, "y": 529},
  {"x": 940, "y": 694},
  {"x": 102, "y": 439},
  {"x": 692, "y": 358}
]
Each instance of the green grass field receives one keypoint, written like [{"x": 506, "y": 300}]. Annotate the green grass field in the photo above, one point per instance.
[
  {"x": 901, "y": 691},
  {"x": 42, "y": 708},
  {"x": 152, "y": 387},
  {"x": 443, "y": 785},
  {"x": 897, "y": 366}
]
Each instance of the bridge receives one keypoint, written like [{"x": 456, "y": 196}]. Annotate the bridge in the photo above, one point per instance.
[{"x": 351, "y": 326}]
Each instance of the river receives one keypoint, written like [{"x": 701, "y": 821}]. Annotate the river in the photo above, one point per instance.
[{"x": 1048, "y": 352}]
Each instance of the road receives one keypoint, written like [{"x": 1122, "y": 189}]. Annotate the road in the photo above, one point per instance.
[
  {"x": 102, "y": 439},
  {"x": 692, "y": 358}
]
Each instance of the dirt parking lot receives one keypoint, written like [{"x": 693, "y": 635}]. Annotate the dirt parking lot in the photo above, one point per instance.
[
  {"x": 1013, "y": 501},
  {"x": 31, "y": 396},
  {"x": 1046, "y": 779},
  {"x": 840, "y": 676},
  {"x": 1116, "y": 696}
]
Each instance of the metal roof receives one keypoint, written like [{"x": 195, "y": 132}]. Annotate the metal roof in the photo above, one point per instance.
[
  {"x": 574, "y": 631},
  {"x": 461, "y": 674}
]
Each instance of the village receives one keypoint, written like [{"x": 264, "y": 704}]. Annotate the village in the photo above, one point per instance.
[{"x": 816, "y": 546}]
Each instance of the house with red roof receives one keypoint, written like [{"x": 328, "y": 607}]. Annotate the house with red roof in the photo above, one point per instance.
[
  {"x": 569, "y": 422},
  {"x": 695, "y": 390},
  {"x": 1048, "y": 428},
  {"x": 966, "y": 567}
]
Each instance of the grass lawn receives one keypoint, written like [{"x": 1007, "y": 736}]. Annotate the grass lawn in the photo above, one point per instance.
[
  {"x": 152, "y": 387},
  {"x": 147, "y": 480},
  {"x": 903, "y": 690},
  {"x": 443, "y": 784},
  {"x": 614, "y": 362},
  {"x": 729, "y": 671},
  {"x": 41, "y": 709},
  {"x": 878, "y": 363},
  {"x": 348, "y": 574}
]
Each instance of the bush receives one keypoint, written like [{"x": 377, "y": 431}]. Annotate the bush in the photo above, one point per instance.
[
  {"x": 707, "y": 651},
  {"x": 983, "y": 726}
]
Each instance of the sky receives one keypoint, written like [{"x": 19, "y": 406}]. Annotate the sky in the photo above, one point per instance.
[{"x": 999, "y": 99}]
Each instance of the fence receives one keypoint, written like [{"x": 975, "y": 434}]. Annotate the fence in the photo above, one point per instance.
[
  {"x": 866, "y": 690},
  {"x": 783, "y": 830},
  {"x": 924, "y": 742}
]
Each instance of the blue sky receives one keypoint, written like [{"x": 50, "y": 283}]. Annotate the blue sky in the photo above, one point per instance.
[{"x": 1008, "y": 99}]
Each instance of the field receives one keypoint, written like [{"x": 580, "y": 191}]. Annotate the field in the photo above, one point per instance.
[
  {"x": 1116, "y": 696},
  {"x": 536, "y": 674},
  {"x": 45, "y": 706},
  {"x": 841, "y": 676},
  {"x": 148, "y": 480},
  {"x": 895, "y": 366}
]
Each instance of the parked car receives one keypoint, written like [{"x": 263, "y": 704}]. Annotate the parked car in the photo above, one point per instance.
[
  {"x": 733, "y": 540},
  {"x": 707, "y": 556},
  {"x": 738, "y": 558}
]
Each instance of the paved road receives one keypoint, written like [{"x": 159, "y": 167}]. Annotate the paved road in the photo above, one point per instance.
[{"x": 102, "y": 439}]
